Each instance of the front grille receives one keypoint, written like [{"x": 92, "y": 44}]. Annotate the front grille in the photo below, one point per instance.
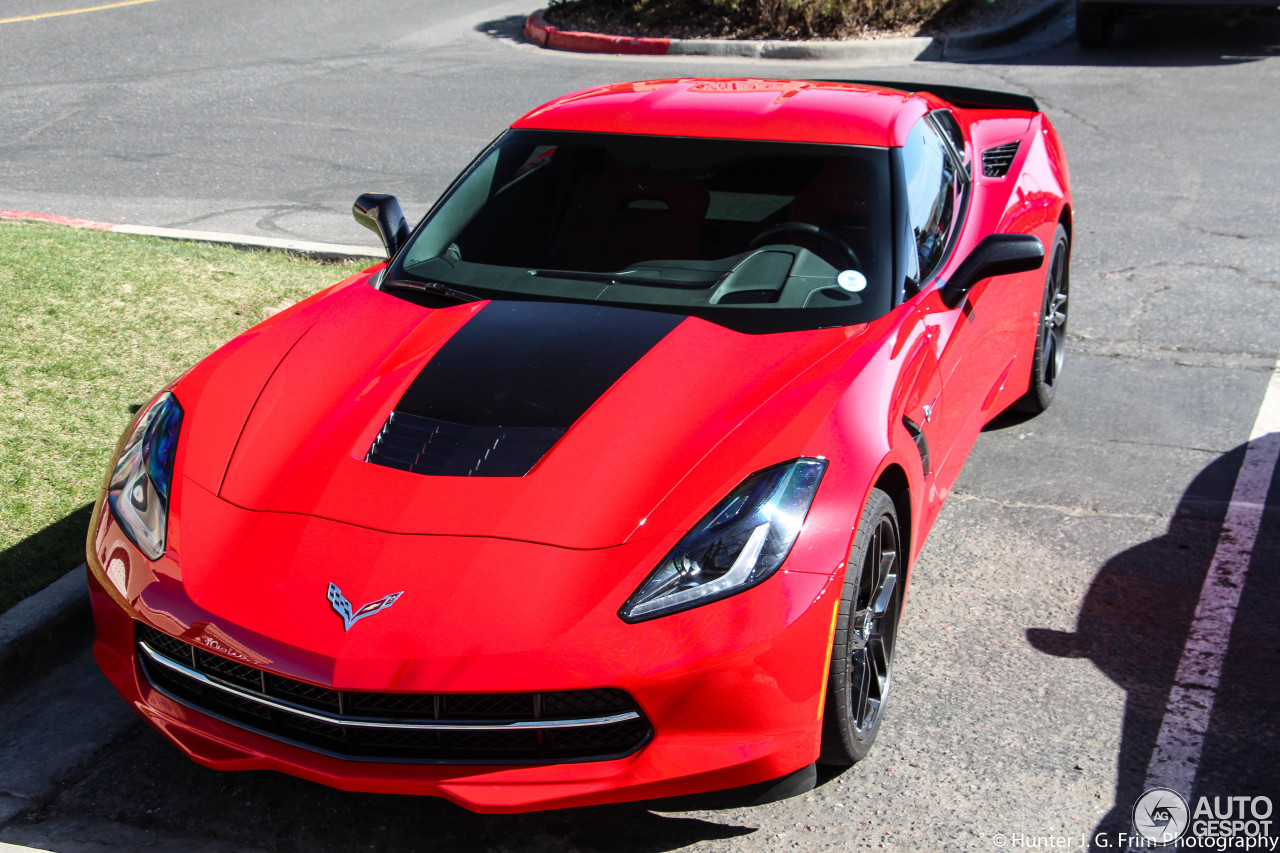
[
  {"x": 996, "y": 161},
  {"x": 447, "y": 728}
]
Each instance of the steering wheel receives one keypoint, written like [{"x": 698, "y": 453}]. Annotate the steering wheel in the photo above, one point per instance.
[{"x": 806, "y": 228}]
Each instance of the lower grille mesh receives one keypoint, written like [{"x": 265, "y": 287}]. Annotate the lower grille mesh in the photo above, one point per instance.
[{"x": 483, "y": 728}]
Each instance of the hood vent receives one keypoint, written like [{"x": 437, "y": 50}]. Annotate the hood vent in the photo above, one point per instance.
[
  {"x": 996, "y": 161},
  {"x": 428, "y": 446},
  {"x": 508, "y": 384}
]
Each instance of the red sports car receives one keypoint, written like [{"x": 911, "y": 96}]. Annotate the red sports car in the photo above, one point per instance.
[{"x": 606, "y": 486}]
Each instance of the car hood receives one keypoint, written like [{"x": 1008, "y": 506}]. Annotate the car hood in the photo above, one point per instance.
[{"x": 555, "y": 423}]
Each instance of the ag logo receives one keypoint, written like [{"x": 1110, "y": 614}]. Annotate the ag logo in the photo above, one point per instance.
[
  {"x": 342, "y": 606},
  {"x": 1160, "y": 816}
]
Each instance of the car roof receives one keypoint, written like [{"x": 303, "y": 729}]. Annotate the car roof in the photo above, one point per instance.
[{"x": 781, "y": 110}]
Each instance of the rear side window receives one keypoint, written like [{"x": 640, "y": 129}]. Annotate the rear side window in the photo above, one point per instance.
[{"x": 933, "y": 198}]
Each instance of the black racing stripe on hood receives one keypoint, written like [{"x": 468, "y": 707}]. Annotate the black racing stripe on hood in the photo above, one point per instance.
[
  {"x": 509, "y": 383},
  {"x": 533, "y": 364}
]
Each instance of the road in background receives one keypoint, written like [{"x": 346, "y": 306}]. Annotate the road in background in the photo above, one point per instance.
[{"x": 1051, "y": 605}]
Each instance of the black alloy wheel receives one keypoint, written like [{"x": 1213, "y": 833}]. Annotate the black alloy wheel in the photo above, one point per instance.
[
  {"x": 866, "y": 632},
  {"x": 1051, "y": 336}
]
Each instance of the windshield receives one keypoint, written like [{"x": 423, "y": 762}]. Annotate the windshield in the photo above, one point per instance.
[{"x": 761, "y": 236}]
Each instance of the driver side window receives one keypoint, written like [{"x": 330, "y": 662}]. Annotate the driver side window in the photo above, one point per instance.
[{"x": 933, "y": 198}]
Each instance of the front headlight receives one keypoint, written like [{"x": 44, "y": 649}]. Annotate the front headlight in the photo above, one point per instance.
[
  {"x": 139, "y": 490},
  {"x": 736, "y": 546}
]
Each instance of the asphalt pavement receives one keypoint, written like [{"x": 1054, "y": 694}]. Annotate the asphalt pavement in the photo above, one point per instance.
[{"x": 1051, "y": 606}]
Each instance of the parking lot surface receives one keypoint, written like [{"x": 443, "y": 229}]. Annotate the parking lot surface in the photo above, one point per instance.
[{"x": 1052, "y": 604}]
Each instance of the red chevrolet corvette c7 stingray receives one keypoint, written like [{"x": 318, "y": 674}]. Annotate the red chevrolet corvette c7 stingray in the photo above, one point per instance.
[{"x": 606, "y": 486}]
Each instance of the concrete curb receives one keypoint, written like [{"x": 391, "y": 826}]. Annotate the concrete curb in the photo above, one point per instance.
[
  {"x": 543, "y": 34},
  {"x": 870, "y": 50},
  {"x": 538, "y": 31},
  {"x": 321, "y": 251},
  {"x": 42, "y": 630}
]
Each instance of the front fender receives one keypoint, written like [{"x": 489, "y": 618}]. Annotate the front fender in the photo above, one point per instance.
[{"x": 218, "y": 394}]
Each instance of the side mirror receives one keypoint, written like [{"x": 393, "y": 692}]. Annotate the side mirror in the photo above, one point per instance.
[
  {"x": 381, "y": 214},
  {"x": 997, "y": 254}
]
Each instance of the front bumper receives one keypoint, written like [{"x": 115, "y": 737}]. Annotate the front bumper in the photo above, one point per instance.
[{"x": 732, "y": 690}]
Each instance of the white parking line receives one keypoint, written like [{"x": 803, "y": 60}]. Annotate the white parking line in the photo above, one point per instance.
[{"x": 1176, "y": 758}]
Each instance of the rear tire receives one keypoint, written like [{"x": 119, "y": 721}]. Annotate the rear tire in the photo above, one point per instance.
[
  {"x": 866, "y": 632},
  {"x": 1051, "y": 335},
  {"x": 1094, "y": 25}
]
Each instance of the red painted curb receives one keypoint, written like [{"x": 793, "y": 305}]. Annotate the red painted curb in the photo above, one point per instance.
[
  {"x": 538, "y": 31},
  {"x": 535, "y": 29},
  {"x": 56, "y": 220}
]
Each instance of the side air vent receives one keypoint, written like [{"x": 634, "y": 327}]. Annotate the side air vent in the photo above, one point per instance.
[
  {"x": 922, "y": 443},
  {"x": 435, "y": 447},
  {"x": 996, "y": 161}
]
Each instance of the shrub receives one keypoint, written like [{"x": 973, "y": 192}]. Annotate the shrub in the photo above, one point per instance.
[{"x": 762, "y": 18}]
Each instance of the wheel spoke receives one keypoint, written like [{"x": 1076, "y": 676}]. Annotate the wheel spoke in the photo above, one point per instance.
[
  {"x": 888, "y": 560},
  {"x": 873, "y": 558},
  {"x": 885, "y": 596},
  {"x": 878, "y": 663},
  {"x": 872, "y": 711},
  {"x": 872, "y": 693},
  {"x": 1058, "y": 310},
  {"x": 861, "y": 685}
]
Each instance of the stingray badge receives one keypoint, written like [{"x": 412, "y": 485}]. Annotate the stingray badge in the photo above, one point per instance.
[{"x": 342, "y": 606}]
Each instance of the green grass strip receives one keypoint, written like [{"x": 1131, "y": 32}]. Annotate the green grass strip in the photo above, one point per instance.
[{"x": 92, "y": 324}]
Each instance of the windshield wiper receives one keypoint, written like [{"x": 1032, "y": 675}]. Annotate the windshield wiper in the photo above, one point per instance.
[
  {"x": 575, "y": 275},
  {"x": 435, "y": 288},
  {"x": 660, "y": 274}
]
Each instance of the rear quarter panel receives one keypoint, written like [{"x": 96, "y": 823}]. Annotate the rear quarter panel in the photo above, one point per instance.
[{"x": 1032, "y": 198}]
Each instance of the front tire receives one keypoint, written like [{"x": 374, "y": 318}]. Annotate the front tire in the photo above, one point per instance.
[
  {"x": 1051, "y": 336},
  {"x": 866, "y": 633}
]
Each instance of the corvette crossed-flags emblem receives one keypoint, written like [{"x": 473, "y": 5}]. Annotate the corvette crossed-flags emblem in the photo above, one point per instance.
[{"x": 343, "y": 608}]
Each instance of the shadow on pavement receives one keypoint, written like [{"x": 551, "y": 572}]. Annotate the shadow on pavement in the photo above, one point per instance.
[
  {"x": 510, "y": 28},
  {"x": 145, "y": 783},
  {"x": 1165, "y": 39},
  {"x": 1133, "y": 625},
  {"x": 43, "y": 557}
]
